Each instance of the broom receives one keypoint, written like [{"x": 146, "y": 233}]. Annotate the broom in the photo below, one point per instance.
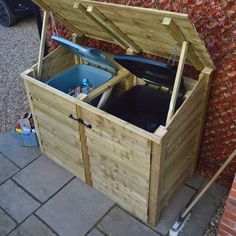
[{"x": 184, "y": 217}]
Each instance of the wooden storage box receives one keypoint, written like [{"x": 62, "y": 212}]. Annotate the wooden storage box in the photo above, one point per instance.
[{"x": 138, "y": 169}]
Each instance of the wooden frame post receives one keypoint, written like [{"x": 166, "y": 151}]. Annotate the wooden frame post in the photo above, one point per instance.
[
  {"x": 206, "y": 75},
  {"x": 158, "y": 151},
  {"x": 178, "y": 78},
  {"x": 42, "y": 45}
]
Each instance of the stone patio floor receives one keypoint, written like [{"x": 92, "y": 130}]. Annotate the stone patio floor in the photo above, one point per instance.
[{"x": 40, "y": 198}]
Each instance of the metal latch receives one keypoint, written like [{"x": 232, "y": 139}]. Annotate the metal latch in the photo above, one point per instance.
[{"x": 81, "y": 121}]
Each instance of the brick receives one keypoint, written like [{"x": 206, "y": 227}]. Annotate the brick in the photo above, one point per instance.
[
  {"x": 232, "y": 201},
  {"x": 232, "y": 194},
  {"x": 228, "y": 222},
  {"x": 221, "y": 232},
  {"x": 229, "y": 215},
  {"x": 231, "y": 208},
  {"x": 227, "y": 229}
]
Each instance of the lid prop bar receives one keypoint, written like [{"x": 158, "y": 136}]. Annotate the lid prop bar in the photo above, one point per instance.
[
  {"x": 178, "y": 78},
  {"x": 42, "y": 45},
  {"x": 176, "y": 33},
  {"x": 103, "y": 22}
]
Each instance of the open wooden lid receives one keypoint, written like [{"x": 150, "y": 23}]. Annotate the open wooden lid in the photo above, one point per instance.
[{"x": 141, "y": 29}]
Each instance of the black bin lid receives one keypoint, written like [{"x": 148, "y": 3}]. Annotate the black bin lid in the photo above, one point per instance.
[{"x": 150, "y": 70}]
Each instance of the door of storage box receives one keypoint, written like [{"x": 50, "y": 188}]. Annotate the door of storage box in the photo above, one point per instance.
[
  {"x": 119, "y": 160},
  {"x": 59, "y": 135}
]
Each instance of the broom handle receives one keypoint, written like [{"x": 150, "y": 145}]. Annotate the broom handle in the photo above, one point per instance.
[{"x": 229, "y": 159}]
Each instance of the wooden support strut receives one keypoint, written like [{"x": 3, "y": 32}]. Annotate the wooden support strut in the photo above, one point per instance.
[
  {"x": 178, "y": 78},
  {"x": 117, "y": 35},
  {"x": 42, "y": 45},
  {"x": 179, "y": 37}
]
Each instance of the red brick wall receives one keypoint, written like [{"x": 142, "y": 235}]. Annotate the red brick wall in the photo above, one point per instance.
[
  {"x": 227, "y": 225},
  {"x": 214, "y": 21}
]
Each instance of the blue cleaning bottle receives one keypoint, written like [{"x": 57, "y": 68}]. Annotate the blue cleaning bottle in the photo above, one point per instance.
[{"x": 86, "y": 86}]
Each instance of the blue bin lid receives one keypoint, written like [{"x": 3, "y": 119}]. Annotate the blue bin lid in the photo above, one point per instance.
[
  {"x": 91, "y": 55},
  {"x": 150, "y": 70}
]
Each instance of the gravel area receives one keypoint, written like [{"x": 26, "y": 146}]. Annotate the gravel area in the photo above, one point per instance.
[{"x": 19, "y": 51}]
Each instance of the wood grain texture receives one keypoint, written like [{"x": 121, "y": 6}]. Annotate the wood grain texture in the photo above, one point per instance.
[
  {"x": 181, "y": 141},
  {"x": 134, "y": 22},
  {"x": 120, "y": 163},
  {"x": 59, "y": 134},
  {"x": 156, "y": 175}
]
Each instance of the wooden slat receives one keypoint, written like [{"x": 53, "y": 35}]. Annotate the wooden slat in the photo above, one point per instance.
[
  {"x": 122, "y": 199},
  {"x": 68, "y": 134},
  {"x": 187, "y": 106},
  {"x": 112, "y": 172},
  {"x": 94, "y": 19},
  {"x": 148, "y": 16},
  {"x": 123, "y": 73},
  {"x": 68, "y": 164},
  {"x": 56, "y": 62},
  {"x": 127, "y": 159},
  {"x": 113, "y": 29},
  {"x": 181, "y": 140},
  {"x": 184, "y": 129},
  {"x": 120, "y": 161},
  {"x": 59, "y": 135},
  {"x": 124, "y": 18}
]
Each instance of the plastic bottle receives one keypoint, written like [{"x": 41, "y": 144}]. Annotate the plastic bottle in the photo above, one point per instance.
[{"x": 86, "y": 86}]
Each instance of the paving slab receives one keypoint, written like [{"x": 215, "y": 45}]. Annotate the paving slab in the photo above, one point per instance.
[
  {"x": 6, "y": 223},
  {"x": 16, "y": 202},
  {"x": 95, "y": 232},
  {"x": 204, "y": 210},
  {"x": 20, "y": 155},
  {"x": 196, "y": 181},
  {"x": 171, "y": 212},
  {"x": 7, "y": 168},
  {"x": 192, "y": 228},
  {"x": 117, "y": 222},
  {"x": 217, "y": 191},
  {"x": 42, "y": 178},
  {"x": 32, "y": 227},
  {"x": 75, "y": 209}
]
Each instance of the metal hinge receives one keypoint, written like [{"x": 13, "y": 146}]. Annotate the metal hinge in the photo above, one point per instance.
[{"x": 81, "y": 121}]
